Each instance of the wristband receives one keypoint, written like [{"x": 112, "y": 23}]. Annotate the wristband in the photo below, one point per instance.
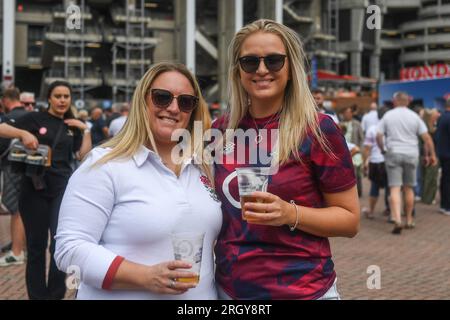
[{"x": 292, "y": 228}]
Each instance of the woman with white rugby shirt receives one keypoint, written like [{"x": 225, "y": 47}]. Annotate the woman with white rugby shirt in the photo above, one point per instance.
[{"x": 125, "y": 200}]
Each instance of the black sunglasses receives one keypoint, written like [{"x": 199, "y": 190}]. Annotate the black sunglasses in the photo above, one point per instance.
[
  {"x": 163, "y": 98},
  {"x": 273, "y": 62},
  {"x": 29, "y": 103}
]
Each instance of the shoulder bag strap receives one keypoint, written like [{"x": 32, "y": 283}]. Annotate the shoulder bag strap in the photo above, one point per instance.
[{"x": 58, "y": 134}]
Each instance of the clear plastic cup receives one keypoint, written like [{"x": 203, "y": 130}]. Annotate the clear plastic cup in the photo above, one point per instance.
[
  {"x": 188, "y": 247},
  {"x": 251, "y": 179}
]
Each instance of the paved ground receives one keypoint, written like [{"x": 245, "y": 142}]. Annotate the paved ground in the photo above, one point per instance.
[{"x": 414, "y": 265}]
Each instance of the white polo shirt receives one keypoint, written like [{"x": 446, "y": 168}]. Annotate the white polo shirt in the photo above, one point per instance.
[{"x": 128, "y": 208}]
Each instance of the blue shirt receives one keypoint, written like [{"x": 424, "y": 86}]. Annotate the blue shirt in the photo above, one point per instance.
[{"x": 443, "y": 136}]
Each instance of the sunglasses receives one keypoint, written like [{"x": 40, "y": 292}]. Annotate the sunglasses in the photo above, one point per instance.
[
  {"x": 163, "y": 98},
  {"x": 29, "y": 103},
  {"x": 273, "y": 62}
]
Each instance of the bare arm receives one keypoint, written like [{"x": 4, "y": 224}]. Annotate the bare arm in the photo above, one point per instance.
[
  {"x": 339, "y": 219},
  {"x": 354, "y": 150},
  {"x": 380, "y": 142},
  {"x": 428, "y": 146},
  {"x": 366, "y": 152},
  {"x": 28, "y": 139},
  {"x": 105, "y": 131},
  {"x": 86, "y": 143},
  {"x": 365, "y": 155},
  {"x": 360, "y": 136}
]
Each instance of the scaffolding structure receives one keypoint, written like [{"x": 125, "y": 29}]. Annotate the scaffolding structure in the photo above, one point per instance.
[
  {"x": 76, "y": 48},
  {"x": 131, "y": 50},
  {"x": 332, "y": 28},
  {"x": 73, "y": 65}
]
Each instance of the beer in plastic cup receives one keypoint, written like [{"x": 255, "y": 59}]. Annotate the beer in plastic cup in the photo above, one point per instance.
[
  {"x": 251, "y": 179},
  {"x": 188, "y": 246}
]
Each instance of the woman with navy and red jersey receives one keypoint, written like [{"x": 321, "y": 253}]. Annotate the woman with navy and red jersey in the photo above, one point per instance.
[{"x": 284, "y": 252}]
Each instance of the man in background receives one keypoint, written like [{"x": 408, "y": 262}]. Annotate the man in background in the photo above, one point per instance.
[
  {"x": 99, "y": 129},
  {"x": 319, "y": 98},
  {"x": 370, "y": 118},
  {"x": 443, "y": 150},
  {"x": 11, "y": 186},
  {"x": 117, "y": 124},
  {"x": 28, "y": 101},
  {"x": 401, "y": 128}
]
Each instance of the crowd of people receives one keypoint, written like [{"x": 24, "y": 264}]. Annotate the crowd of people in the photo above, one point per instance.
[
  {"x": 112, "y": 217},
  {"x": 395, "y": 148},
  {"x": 32, "y": 199}
]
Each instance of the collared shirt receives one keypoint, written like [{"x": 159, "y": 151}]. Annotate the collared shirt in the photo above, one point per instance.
[{"x": 128, "y": 208}]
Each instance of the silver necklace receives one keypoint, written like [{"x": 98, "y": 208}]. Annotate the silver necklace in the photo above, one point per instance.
[{"x": 258, "y": 137}]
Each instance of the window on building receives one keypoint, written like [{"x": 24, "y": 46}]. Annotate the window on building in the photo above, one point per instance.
[{"x": 35, "y": 41}]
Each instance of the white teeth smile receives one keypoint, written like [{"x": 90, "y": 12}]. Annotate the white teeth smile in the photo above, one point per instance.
[
  {"x": 262, "y": 82},
  {"x": 169, "y": 120}
]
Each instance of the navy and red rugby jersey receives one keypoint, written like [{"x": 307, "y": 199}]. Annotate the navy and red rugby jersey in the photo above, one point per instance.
[{"x": 266, "y": 262}]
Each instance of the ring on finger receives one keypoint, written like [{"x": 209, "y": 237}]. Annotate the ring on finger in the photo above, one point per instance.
[{"x": 172, "y": 283}]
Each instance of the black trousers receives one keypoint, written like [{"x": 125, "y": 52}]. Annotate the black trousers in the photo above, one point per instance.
[
  {"x": 39, "y": 213},
  {"x": 445, "y": 183}
]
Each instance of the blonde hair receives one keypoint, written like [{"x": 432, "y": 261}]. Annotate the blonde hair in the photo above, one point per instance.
[
  {"x": 429, "y": 117},
  {"x": 137, "y": 131},
  {"x": 299, "y": 112}
]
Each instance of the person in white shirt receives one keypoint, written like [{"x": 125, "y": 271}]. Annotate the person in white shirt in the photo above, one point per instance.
[
  {"x": 370, "y": 118},
  {"x": 401, "y": 128},
  {"x": 117, "y": 124},
  {"x": 374, "y": 167},
  {"x": 130, "y": 194}
]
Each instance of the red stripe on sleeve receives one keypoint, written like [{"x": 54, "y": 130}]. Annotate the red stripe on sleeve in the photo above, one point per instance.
[{"x": 107, "y": 282}]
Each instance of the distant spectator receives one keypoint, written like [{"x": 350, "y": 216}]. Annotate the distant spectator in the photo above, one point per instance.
[
  {"x": 418, "y": 188},
  {"x": 354, "y": 134},
  {"x": 28, "y": 101},
  {"x": 83, "y": 115},
  {"x": 375, "y": 168},
  {"x": 111, "y": 113},
  {"x": 443, "y": 151},
  {"x": 117, "y": 124},
  {"x": 429, "y": 174},
  {"x": 12, "y": 180},
  {"x": 99, "y": 130},
  {"x": 401, "y": 128},
  {"x": 356, "y": 115},
  {"x": 370, "y": 118},
  {"x": 319, "y": 99}
]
